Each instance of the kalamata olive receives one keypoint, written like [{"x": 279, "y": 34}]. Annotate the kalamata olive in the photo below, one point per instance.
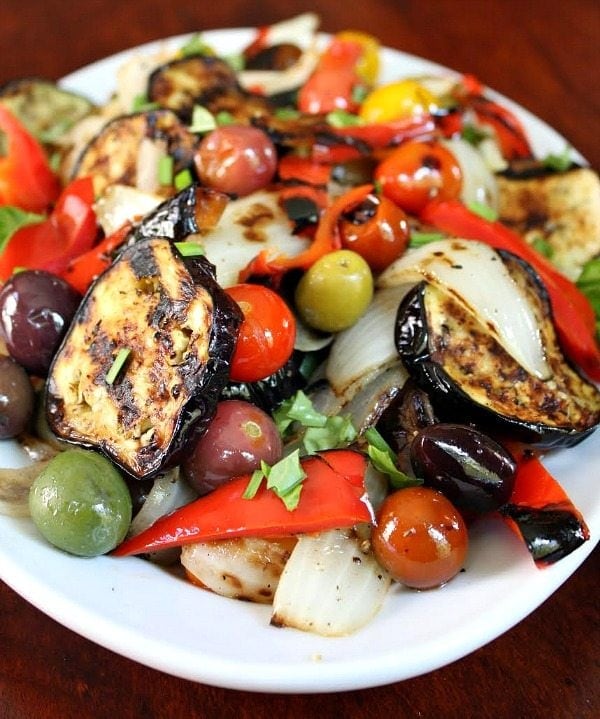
[
  {"x": 276, "y": 57},
  {"x": 239, "y": 437},
  {"x": 474, "y": 471},
  {"x": 36, "y": 308},
  {"x": 16, "y": 398}
]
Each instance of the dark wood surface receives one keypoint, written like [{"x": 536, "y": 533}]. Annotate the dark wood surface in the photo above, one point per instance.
[{"x": 543, "y": 54}]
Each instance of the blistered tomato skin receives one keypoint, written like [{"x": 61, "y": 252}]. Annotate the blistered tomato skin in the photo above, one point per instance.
[
  {"x": 239, "y": 437},
  {"x": 418, "y": 172},
  {"x": 267, "y": 334},
  {"x": 377, "y": 230},
  {"x": 420, "y": 538},
  {"x": 236, "y": 159},
  {"x": 36, "y": 308},
  {"x": 80, "y": 503}
]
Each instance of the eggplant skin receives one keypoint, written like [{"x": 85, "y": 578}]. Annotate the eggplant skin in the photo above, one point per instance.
[
  {"x": 204, "y": 80},
  {"x": 180, "y": 329},
  {"x": 470, "y": 377}
]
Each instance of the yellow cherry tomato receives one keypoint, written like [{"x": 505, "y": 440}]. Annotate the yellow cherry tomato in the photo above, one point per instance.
[
  {"x": 405, "y": 98},
  {"x": 367, "y": 67}
]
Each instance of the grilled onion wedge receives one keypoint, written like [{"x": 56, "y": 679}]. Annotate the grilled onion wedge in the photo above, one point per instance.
[
  {"x": 174, "y": 328},
  {"x": 453, "y": 354}
]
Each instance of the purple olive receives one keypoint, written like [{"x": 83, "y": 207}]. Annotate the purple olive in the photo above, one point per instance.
[
  {"x": 16, "y": 398},
  {"x": 36, "y": 309},
  {"x": 475, "y": 472}
]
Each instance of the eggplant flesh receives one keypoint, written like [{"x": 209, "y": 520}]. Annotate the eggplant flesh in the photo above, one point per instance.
[
  {"x": 112, "y": 156},
  {"x": 470, "y": 377},
  {"x": 179, "y": 328},
  {"x": 203, "y": 80}
]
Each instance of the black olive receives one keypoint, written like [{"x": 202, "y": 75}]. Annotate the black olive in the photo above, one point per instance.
[{"x": 471, "y": 469}]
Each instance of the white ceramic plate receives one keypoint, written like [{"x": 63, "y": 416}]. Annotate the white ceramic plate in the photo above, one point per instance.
[{"x": 140, "y": 611}]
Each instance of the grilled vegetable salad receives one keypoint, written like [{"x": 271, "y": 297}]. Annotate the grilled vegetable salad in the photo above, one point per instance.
[{"x": 290, "y": 326}]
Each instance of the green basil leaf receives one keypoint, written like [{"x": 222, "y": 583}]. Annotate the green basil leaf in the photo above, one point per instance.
[{"x": 12, "y": 219}]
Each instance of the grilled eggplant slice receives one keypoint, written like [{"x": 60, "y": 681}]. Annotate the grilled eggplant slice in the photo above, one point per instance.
[
  {"x": 114, "y": 155},
  {"x": 203, "y": 80},
  {"x": 45, "y": 109},
  {"x": 454, "y": 357},
  {"x": 179, "y": 330}
]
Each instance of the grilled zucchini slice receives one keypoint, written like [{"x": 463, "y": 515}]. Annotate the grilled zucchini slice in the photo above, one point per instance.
[
  {"x": 453, "y": 356},
  {"x": 47, "y": 110},
  {"x": 178, "y": 329}
]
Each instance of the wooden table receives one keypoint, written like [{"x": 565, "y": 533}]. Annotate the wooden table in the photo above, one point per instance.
[{"x": 541, "y": 53}]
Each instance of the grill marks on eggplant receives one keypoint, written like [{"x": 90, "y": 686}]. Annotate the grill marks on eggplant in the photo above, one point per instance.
[
  {"x": 453, "y": 355},
  {"x": 112, "y": 155},
  {"x": 180, "y": 330},
  {"x": 203, "y": 80}
]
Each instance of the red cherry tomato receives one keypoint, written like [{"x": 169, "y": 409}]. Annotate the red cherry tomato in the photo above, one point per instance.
[
  {"x": 418, "y": 172},
  {"x": 267, "y": 334},
  {"x": 236, "y": 159},
  {"x": 377, "y": 229},
  {"x": 420, "y": 538}
]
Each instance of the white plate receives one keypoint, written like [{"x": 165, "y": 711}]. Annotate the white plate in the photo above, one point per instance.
[{"x": 142, "y": 612}]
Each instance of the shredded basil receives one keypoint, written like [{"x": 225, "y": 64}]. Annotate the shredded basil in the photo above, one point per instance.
[
  {"x": 483, "y": 210},
  {"x": 341, "y": 118},
  {"x": 141, "y": 103},
  {"x": 383, "y": 458},
  {"x": 165, "y": 170},
  {"x": 202, "y": 120},
  {"x": 559, "y": 163},
  {"x": 542, "y": 246},
  {"x": 284, "y": 478},
  {"x": 12, "y": 219},
  {"x": 196, "y": 46},
  {"x": 418, "y": 239},
  {"x": 117, "y": 365},
  {"x": 189, "y": 249},
  {"x": 473, "y": 134},
  {"x": 183, "y": 179},
  {"x": 589, "y": 283}
]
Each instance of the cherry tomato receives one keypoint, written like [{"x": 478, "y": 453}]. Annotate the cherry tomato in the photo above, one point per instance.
[
  {"x": 420, "y": 538},
  {"x": 267, "y": 334},
  {"x": 418, "y": 172},
  {"x": 377, "y": 229},
  {"x": 236, "y": 159},
  {"x": 239, "y": 437}
]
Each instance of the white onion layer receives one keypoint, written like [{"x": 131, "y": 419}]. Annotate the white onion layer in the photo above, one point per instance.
[
  {"x": 476, "y": 276},
  {"x": 329, "y": 585}
]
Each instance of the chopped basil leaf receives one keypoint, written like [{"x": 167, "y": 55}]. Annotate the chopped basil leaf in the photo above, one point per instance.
[
  {"x": 417, "y": 239},
  {"x": 383, "y": 459},
  {"x": 224, "y": 118},
  {"x": 542, "y": 246},
  {"x": 473, "y": 134},
  {"x": 483, "y": 210},
  {"x": 165, "y": 170},
  {"x": 183, "y": 179},
  {"x": 298, "y": 408},
  {"x": 117, "y": 365},
  {"x": 287, "y": 113},
  {"x": 285, "y": 475},
  {"x": 189, "y": 249},
  {"x": 196, "y": 46},
  {"x": 12, "y": 219},
  {"x": 337, "y": 432},
  {"x": 559, "y": 163},
  {"x": 202, "y": 120},
  {"x": 235, "y": 61},
  {"x": 341, "y": 118},
  {"x": 254, "y": 484},
  {"x": 359, "y": 93},
  {"x": 589, "y": 283},
  {"x": 142, "y": 104}
]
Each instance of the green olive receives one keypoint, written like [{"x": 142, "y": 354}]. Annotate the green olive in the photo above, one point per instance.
[
  {"x": 335, "y": 291},
  {"x": 80, "y": 503}
]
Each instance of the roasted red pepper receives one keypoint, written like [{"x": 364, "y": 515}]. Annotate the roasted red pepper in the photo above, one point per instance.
[
  {"x": 326, "y": 239},
  {"x": 541, "y": 513},
  {"x": 68, "y": 231},
  {"x": 83, "y": 270},
  {"x": 573, "y": 315},
  {"x": 333, "y": 496},
  {"x": 26, "y": 180},
  {"x": 331, "y": 85}
]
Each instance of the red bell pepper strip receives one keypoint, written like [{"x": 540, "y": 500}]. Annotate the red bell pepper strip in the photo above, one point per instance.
[
  {"x": 84, "y": 269},
  {"x": 26, "y": 180},
  {"x": 332, "y": 82},
  {"x": 69, "y": 230},
  {"x": 333, "y": 495},
  {"x": 303, "y": 169},
  {"x": 541, "y": 513},
  {"x": 573, "y": 314},
  {"x": 326, "y": 239}
]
